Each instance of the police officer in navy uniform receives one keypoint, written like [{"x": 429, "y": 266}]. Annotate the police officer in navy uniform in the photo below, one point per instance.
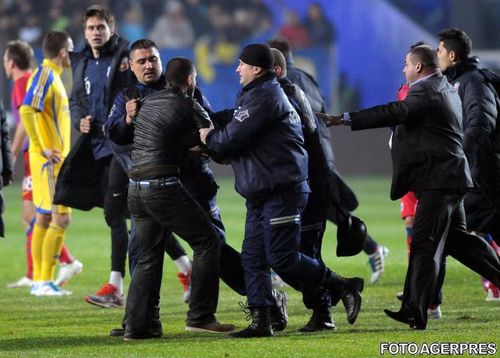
[{"x": 263, "y": 141}]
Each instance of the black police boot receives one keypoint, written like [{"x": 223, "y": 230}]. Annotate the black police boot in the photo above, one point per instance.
[
  {"x": 321, "y": 320},
  {"x": 260, "y": 326},
  {"x": 277, "y": 312},
  {"x": 349, "y": 291}
]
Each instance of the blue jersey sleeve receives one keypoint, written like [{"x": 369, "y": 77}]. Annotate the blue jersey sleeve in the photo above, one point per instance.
[
  {"x": 39, "y": 87},
  {"x": 116, "y": 127}
]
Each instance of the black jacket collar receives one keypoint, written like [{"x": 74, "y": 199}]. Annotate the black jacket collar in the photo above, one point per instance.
[
  {"x": 109, "y": 48},
  {"x": 267, "y": 77},
  {"x": 457, "y": 70}
]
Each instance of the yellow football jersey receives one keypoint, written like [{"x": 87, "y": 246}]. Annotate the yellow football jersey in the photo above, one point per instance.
[{"x": 47, "y": 96}]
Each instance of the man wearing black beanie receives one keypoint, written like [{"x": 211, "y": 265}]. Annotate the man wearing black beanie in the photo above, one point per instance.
[{"x": 263, "y": 140}]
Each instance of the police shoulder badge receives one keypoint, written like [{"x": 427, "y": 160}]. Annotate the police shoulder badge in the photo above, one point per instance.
[{"x": 241, "y": 115}]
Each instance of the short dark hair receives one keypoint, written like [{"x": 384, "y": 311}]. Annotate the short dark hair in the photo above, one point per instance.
[
  {"x": 21, "y": 53},
  {"x": 101, "y": 13},
  {"x": 178, "y": 70},
  {"x": 425, "y": 55},
  {"x": 457, "y": 41},
  {"x": 419, "y": 43},
  {"x": 142, "y": 44},
  {"x": 282, "y": 45},
  {"x": 53, "y": 42},
  {"x": 279, "y": 59}
]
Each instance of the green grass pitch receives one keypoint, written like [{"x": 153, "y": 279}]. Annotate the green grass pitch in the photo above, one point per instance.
[{"x": 67, "y": 326}]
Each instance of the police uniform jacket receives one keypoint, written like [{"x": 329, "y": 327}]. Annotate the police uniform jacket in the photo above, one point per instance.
[{"x": 263, "y": 140}]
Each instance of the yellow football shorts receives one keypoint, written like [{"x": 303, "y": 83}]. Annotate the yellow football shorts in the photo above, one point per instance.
[{"x": 44, "y": 176}]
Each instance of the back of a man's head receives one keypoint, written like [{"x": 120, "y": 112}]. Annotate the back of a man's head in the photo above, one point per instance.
[
  {"x": 282, "y": 45},
  {"x": 53, "y": 42},
  {"x": 20, "y": 53},
  {"x": 178, "y": 70},
  {"x": 425, "y": 55},
  {"x": 457, "y": 41},
  {"x": 279, "y": 60},
  {"x": 101, "y": 13}
]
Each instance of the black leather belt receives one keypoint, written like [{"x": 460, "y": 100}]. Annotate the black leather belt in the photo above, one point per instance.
[{"x": 154, "y": 183}]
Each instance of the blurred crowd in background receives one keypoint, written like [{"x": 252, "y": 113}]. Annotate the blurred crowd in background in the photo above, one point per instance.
[{"x": 171, "y": 24}]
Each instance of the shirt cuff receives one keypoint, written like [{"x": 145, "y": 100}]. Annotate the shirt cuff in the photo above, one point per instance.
[{"x": 346, "y": 117}]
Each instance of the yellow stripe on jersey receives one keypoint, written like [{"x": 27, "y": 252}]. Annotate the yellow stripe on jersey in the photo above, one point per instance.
[{"x": 39, "y": 90}]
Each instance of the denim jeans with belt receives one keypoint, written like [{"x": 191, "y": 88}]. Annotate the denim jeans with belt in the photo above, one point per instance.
[{"x": 164, "y": 204}]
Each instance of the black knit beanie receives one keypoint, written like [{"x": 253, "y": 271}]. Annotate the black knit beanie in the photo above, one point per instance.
[{"x": 259, "y": 55}]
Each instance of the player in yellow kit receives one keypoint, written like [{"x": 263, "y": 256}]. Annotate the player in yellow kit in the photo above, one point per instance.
[{"x": 45, "y": 114}]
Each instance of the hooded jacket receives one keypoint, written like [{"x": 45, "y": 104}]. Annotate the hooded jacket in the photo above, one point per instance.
[{"x": 481, "y": 141}]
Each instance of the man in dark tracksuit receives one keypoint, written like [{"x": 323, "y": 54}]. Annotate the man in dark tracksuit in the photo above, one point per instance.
[
  {"x": 100, "y": 71},
  {"x": 164, "y": 130},
  {"x": 6, "y": 162},
  {"x": 195, "y": 173},
  {"x": 481, "y": 131},
  {"x": 264, "y": 143},
  {"x": 342, "y": 199}
]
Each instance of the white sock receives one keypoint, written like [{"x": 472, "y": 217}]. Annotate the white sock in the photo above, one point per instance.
[
  {"x": 116, "y": 279},
  {"x": 184, "y": 265}
]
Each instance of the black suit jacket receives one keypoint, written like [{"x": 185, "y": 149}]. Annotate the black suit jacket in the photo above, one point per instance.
[{"x": 427, "y": 151}]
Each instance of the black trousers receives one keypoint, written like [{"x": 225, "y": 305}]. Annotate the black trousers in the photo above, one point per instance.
[
  {"x": 439, "y": 230},
  {"x": 116, "y": 213},
  {"x": 169, "y": 206},
  {"x": 313, "y": 225},
  {"x": 231, "y": 270}
]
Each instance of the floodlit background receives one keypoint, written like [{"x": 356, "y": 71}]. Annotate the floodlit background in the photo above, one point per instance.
[{"x": 355, "y": 48}]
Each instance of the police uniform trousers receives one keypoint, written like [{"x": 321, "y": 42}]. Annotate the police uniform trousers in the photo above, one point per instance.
[{"x": 272, "y": 239}]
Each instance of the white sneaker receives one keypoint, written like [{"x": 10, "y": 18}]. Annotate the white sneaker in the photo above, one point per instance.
[
  {"x": 434, "y": 313},
  {"x": 35, "y": 287},
  {"x": 67, "y": 271},
  {"x": 22, "y": 282},
  {"x": 377, "y": 262},
  {"x": 493, "y": 294},
  {"x": 50, "y": 289}
]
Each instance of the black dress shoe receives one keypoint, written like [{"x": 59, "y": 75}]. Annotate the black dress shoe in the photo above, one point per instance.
[
  {"x": 404, "y": 318},
  {"x": 320, "y": 321},
  {"x": 132, "y": 336},
  {"x": 350, "y": 294},
  {"x": 117, "y": 332},
  {"x": 278, "y": 311}
]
